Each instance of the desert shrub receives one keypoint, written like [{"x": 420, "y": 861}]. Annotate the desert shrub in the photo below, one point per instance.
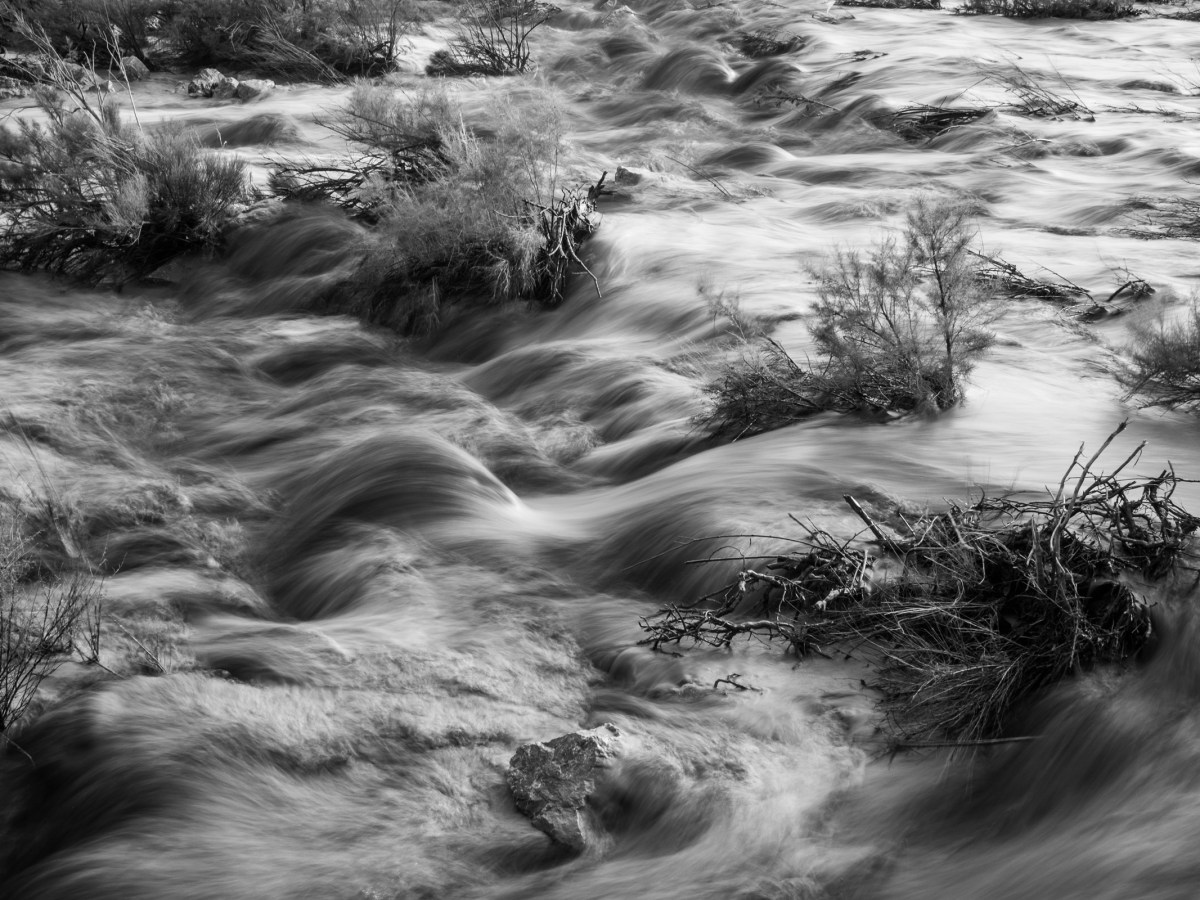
[
  {"x": 992, "y": 600},
  {"x": 96, "y": 31},
  {"x": 1165, "y": 361},
  {"x": 1043, "y": 9},
  {"x": 492, "y": 38},
  {"x": 89, "y": 195},
  {"x": 396, "y": 139},
  {"x": 897, "y": 329},
  {"x": 459, "y": 214},
  {"x": 297, "y": 38}
]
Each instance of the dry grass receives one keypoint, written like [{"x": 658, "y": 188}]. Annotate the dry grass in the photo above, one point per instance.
[
  {"x": 1011, "y": 281},
  {"x": 993, "y": 601},
  {"x": 1165, "y": 361},
  {"x": 923, "y": 123},
  {"x": 1033, "y": 98}
]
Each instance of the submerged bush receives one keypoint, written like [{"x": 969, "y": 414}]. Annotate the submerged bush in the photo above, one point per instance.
[
  {"x": 1165, "y": 369},
  {"x": 459, "y": 214},
  {"x": 986, "y": 604},
  {"x": 89, "y": 195},
  {"x": 897, "y": 329}
]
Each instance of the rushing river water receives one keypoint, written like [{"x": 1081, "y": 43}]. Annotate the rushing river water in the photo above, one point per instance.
[{"x": 473, "y": 525}]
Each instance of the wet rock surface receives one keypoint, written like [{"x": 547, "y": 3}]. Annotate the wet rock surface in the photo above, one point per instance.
[{"x": 553, "y": 781}]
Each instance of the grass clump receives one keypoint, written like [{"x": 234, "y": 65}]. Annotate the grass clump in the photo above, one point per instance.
[
  {"x": 896, "y": 330},
  {"x": 1165, "y": 361},
  {"x": 292, "y": 38},
  {"x": 992, "y": 601},
  {"x": 88, "y": 195},
  {"x": 1047, "y": 9},
  {"x": 458, "y": 214}
]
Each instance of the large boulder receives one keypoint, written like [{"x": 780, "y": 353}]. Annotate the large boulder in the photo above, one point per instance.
[
  {"x": 254, "y": 87},
  {"x": 134, "y": 68},
  {"x": 204, "y": 82},
  {"x": 11, "y": 88},
  {"x": 226, "y": 88},
  {"x": 552, "y": 783}
]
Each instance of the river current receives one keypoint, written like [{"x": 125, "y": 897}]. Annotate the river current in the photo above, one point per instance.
[{"x": 371, "y": 568}]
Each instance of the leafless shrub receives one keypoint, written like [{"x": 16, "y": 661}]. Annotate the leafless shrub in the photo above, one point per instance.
[
  {"x": 1035, "y": 99},
  {"x": 41, "y": 614},
  {"x": 923, "y": 123},
  {"x": 994, "y": 600},
  {"x": 1165, "y": 361},
  {"x": 493, "y": 38}
]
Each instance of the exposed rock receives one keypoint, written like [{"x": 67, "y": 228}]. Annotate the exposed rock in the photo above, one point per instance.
[
  {"x": 226, "y": 88},
  {"x": 204, "y": 82},
  {"x": 135, "y": 69},
  {"x": 78, "y": 73},
  {"x": 263, "y": 212},
  {"x": 11, "y": 88},
  {"x": 254, "y": 87},
  {"x": 1141, "y": 84},
  {"x": 553, "y": 781},
  {"x": 629, "y": 176}
]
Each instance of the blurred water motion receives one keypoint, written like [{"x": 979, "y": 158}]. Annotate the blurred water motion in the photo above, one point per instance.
[{"x": 375, "y": 567}]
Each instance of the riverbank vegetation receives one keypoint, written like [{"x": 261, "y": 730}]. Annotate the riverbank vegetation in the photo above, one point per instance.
[
  {"x": 289, "y": 38},
  {"x": 1164, "y": 368},
  {"x": 896, "y": 330},
  {"x": 457, "y": 214},
  {"x": 978, "y": 608},
  {"x": 91, "y": 195}
]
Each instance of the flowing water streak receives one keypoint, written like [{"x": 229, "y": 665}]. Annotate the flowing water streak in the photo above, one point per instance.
[{"x": 450, "y": 545}]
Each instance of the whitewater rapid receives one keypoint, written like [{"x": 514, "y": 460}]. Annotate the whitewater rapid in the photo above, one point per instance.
[{"x": 370, "y": 568}]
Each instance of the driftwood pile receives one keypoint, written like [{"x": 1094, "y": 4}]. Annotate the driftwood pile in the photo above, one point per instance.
[{"x": 992, "y": 601}]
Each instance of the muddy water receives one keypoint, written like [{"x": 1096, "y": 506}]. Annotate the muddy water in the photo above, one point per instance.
[{"x": 370, "y": 569}]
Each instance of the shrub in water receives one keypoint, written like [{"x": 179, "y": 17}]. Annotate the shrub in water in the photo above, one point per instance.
[
  {"x": 1165, "y": 368},
  {"x": 459, "y": 214},
  {"x": 896, "y": 329},
  {"x": 88, "y": 195}
]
